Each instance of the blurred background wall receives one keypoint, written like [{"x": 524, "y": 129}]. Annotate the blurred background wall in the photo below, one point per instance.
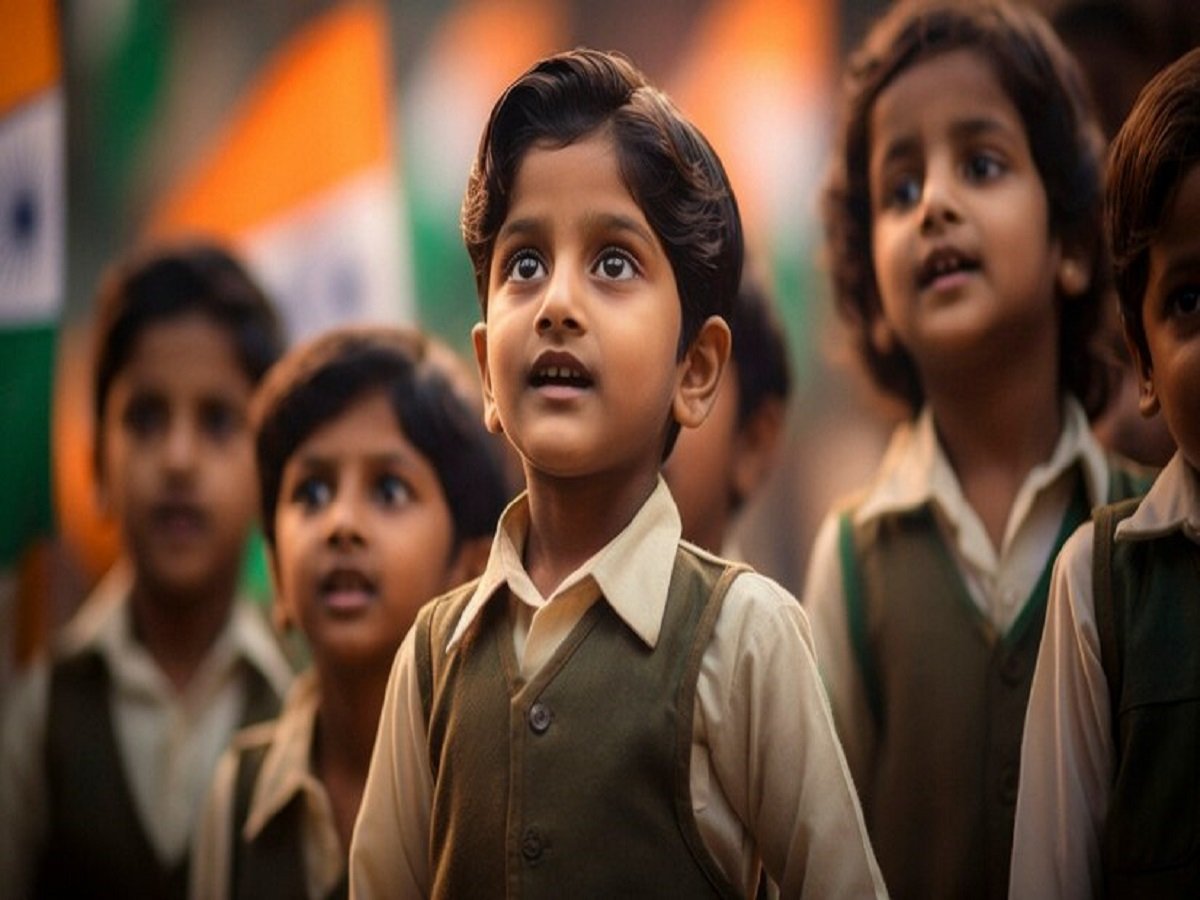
[{"x": 330, "y": 141}]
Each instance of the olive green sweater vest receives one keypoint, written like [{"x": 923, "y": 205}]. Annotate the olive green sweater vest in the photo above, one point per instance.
[
  {"x": 272, "y": 865},
  {"x": 948, "y": 697},
  {"x": 97, "y": 845},
  {"x": 1147, "y": 602},
  {"x": 575, "y": 783}
]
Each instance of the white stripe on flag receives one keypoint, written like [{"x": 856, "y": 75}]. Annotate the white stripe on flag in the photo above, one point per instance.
[{"x": 32, "y": 217}]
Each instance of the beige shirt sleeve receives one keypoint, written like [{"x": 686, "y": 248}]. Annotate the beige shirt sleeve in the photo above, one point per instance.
[
  {"x": 774, "y": 751},
  {"x": 23, "y": 792},
  {"x": 212, "y": 847},
  {"x": 1067, "y": 754},
  {"x": 389, "y": 853},
  {"x": 825, "y": 603}
]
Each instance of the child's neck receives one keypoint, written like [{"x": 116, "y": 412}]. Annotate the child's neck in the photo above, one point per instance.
[
  {"x": 179, "y": 632},
  {"x": 347, "y": 719},
  {"x": 571, "y": 519},
  {"x": 994, "y": 430}
]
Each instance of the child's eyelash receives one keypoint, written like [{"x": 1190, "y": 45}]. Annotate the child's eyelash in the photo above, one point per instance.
[{"x": 516, "y": 257}]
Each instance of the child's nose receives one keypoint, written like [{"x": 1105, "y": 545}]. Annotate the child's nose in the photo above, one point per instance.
[
  {"x": 344, "y": 521},
  {"x": 560, "y": 309},
  {"x": 939, "y": 198},
  {"x": 180, "y": 446}
]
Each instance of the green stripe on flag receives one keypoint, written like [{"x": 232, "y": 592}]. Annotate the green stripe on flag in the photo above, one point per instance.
[{"x": 26, "y": 378}]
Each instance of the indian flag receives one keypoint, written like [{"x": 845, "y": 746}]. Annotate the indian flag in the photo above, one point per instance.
[
  {"x": 31, "y": 296},
  {"x": 757, "y": 79},
  {"x": 479, "y": 47},
  {"x": 303, "y": 178}
]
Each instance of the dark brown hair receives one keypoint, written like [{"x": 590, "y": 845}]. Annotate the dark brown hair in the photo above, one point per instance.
[
  {"x": 319, "y": 380},
  {"x": 1044, "y": 84},
  {"x": 1155, "y": 148},
  {"x": 669, "y": 168},
  {"x": 167, "y": 282}
]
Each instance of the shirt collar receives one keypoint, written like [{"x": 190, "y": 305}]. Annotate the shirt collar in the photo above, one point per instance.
[
  {"x": 1172, "y": 504},
  {"x": 632, "y": 572},
  {"x": 916, "y": 471},
  {"x": 286, "y": 769},
  {"x": 105, "y": 625}
]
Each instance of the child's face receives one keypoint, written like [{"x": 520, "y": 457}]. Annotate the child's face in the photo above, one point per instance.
[
  {"x": 363, "y": 536},
  {"x": 1171, "y": 317},
  {"x": 578, "y": 354},
  {"x": 177, "y": 459},
  {"x": 963, "y": 256}
]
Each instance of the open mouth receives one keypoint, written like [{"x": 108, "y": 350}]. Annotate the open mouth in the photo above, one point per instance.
[
  {"x": 559, "y": 370},
  {"x": 179, "y": 519},
  {"x": 943, "y": 265},
  {"x": 347, "y": 590}
]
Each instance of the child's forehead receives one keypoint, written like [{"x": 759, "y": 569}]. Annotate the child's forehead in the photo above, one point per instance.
[
  {"x": 920, "y": 94},
  {"x": 367, "y": 425},
  {"x": 186, "y": 348}
]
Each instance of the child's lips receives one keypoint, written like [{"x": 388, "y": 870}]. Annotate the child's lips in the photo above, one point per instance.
[
  {"x": 347, "y": 591},
  {"x": 946, "y": 268},
  {"x": 559, "y": 374},
  {"x": 179, "y": 520}
]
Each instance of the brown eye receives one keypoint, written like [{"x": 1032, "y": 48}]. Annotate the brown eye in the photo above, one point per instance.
[
  {"x": 525, "y": 266},
  {"x": 615, "y": 265}
]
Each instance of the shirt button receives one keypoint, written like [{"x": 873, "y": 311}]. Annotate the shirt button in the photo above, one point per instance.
[
  {"x": 531, "y": 845},
  {"x": 539, "y": 718}
]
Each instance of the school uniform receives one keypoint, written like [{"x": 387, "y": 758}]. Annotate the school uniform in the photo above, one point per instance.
[
  {"x": 268, "y": 829},
  {"x": 1108, "y": 803},
  {"x": 104, "y": 763},
  {"x": 927, "y": 637},
  {"x": 750, "y": 763}
]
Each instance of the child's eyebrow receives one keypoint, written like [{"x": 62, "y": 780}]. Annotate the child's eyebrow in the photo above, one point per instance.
[
  {"x": 981, "y": 126},
  {"x": 618, "y": 222}
]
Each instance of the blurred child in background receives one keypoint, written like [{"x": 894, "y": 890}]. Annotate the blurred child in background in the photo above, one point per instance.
[
  {"x": 1108, "y": 803},
  {"x": 380, "y": 489},
  {"x": 109, "y": 747},
  {"x": 963, "y": 222},
  {"x": 716, "y": 468}
]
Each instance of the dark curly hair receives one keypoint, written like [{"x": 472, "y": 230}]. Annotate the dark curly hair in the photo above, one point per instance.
[
  {"x": 668, "y": 166},
  {"x": 1045, "y": 85},
  {"x": 1155, "y": 148}
]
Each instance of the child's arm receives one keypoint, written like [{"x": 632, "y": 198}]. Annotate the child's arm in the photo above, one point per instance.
[
  {"x": 24, "y": 802},
  {"x": 825, "y": 603},
  {"x": 774, "y": 751},
  {"x": 1067, "y": 752},
  {"x": 389, "y": 854}
]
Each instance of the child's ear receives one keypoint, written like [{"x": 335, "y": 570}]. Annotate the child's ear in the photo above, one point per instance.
[
  {"x": 491, "y": 418},
  {"x": 700, "y": 372},
  {"x": 281, "y": 616},
  {"x": 1147, "y": 395},
  {"x": 1074, "y": 274}
]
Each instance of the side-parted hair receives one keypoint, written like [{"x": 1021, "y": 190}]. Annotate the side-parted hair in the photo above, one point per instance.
[
  {"x": 168, "y": 282},
  {"x": 671, "y": 172},
  {"x": 1045, "y": 85},
  {"x": 1154, "y": 150},
  {"x": 425, "y": 387}
]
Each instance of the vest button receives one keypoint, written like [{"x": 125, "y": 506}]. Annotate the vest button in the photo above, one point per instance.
[
  {"x": 531, "y": 845},
  {"x": 1012, "y": 669},
  {"x": 539, "y": 718}
]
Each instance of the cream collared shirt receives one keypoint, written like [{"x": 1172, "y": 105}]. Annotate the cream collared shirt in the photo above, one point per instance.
[
  {"x": 169, "y": 740},
  {"x": 1067, "y": 756},
  {"x": 768, "y": 778},
  {"x": 286, "y": 772},
  {"x": 914, "y": 472}
]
